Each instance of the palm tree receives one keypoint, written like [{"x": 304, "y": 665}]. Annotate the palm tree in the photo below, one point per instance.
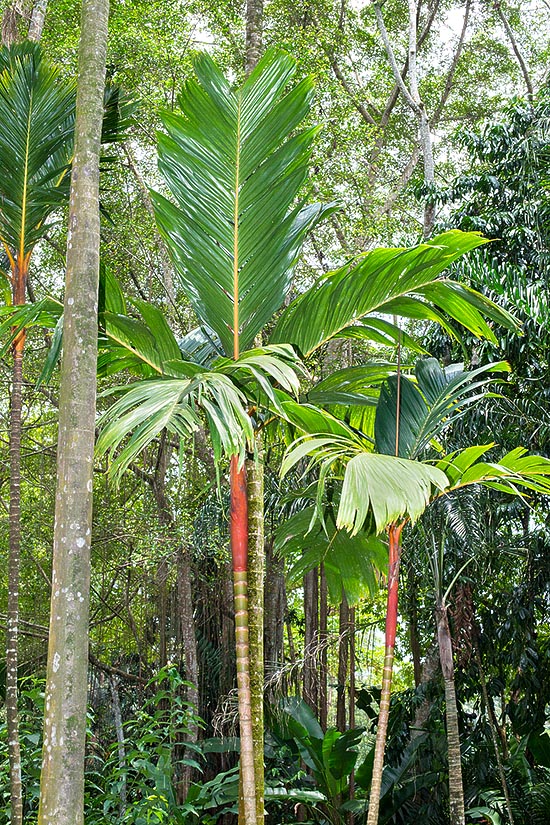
[
  {"x": 234, "y": 237},
  {"x": 36, "y": 109},
  {"x": 385, "y": 490}
]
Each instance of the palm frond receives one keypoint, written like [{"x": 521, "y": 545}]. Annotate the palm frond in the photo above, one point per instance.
[
  {"x": 36, "y": 139},
  {"x": 391, "y": 281},
  {"x": 234, "y": 232},
  {"x": 438, "y": 398}
]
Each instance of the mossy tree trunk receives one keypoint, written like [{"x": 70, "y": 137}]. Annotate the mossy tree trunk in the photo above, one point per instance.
[
  {"x": 456, "y": 789},
  {"x": 62, "y": 780}
]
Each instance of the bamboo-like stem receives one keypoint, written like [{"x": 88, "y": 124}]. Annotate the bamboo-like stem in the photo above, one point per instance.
[
  {"x": 394, "y": 533},
  {"x": 14, "y": 561},
  {"x": 239, "y": 552},
  {"x": 256, "y": 564}
]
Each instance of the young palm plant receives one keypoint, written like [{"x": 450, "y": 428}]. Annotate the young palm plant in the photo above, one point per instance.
[
  {"x": 36, "y": 107},
  {"x": 384, "y": 490}
]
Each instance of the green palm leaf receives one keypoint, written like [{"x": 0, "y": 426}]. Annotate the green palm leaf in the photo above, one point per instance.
[
  {"x": 37, "y": 116},
  {"x": 390, "y": 281},
  {"x": 147, "y": 407},
  {"x": 388, "y": 488},
  {"x": 515, "y": 472},
  {"x": 234, "y": 172},
  {"x": 428, "y": 405},
  {"x": 352, "y": 563}
]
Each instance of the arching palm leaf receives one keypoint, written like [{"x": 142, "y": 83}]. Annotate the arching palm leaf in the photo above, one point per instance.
[
  {"x": 390, "y": 281},
  {"x": 428, "y": 406},
  {"x": 234, "y": 233}
]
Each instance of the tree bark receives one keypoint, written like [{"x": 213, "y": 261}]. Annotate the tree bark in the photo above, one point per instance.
[
  {"x": 62, "y": 780},
  {"x": 190, "y": 656},
  {"x": 14, "y": 562},
  {"x": 10, "y": 22},
  {"x": 343, "y": 646},
  {"x": 119, "y": 730},
  {"x": 274, "y": 611},
  {"x": 519, "y": 57},
  {"x": 323, "y": 651},
  {"x": 254, "y": 15},
  {"x": 412, "y": 97},
  {"x": 456, "y": 789},
  {"x": 391, "y": 629},
  {"x": 311, "y": 619},
  {"x": 38, "y": 17}
]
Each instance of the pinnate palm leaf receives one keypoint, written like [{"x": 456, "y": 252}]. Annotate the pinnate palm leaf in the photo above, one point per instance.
[
  {"x": 36, "y": 139},
  {"x": 428, "y": 405},
  {"x": 148, "y": 407},
  {"x": 234, "y": 232},
  {"x": 390, "y": 281}
]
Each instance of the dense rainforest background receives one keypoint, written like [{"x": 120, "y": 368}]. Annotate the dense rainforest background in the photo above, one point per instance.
[{"x": 397, "y": 129}]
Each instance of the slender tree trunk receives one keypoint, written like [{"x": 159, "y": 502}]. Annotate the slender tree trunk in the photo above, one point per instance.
[
  {"x": 351, "y": 815},
  {"x": 323, "y": 651},
  {"x": 311, "y": 619},
  {"x": 414, "y": 101},
  {"x": 456, "y": 789},
  {"x": 190, "y": 657},
  {"x": 239, "y": 551},
  {"x": 117, "y": 717},
  {"x": 62, "y": 780},
  {"x": 391, "y": 629},
  {"x": 14, "y": 562},
  {"x": 274, "y": 611},
  {"x": 493, "y": 724},
  {"x": 343, "y": 647},
  {"x": 254, "y": 15},
  {"x": 38, "y": 17},
  {"x": 256, "y": 564},
  {"x": 413, "y": 627},
  {"x": 10, "y": 22}
]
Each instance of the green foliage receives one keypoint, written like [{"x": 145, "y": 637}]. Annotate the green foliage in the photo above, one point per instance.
[
  {"x": 390, "y": 281},
  {"x": 330, "y": 756},
  {"x": 37, "y": 112},
  {"x": 235, "y": 173},
  {"x": 352, "y": 564}
]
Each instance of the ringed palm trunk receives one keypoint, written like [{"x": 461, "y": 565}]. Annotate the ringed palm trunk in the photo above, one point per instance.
[
  {"x": 256, "y": 565},
  {"x": 19, "y": 275},
  {"x": 239, "y": 553},
  {"x": 456, "y": 789},
  {"x": 394, "y": 534},
  {"x": 62, "y": 780}
]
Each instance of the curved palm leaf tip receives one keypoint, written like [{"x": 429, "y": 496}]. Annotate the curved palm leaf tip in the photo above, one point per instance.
[{"x": 235, "y": 233}]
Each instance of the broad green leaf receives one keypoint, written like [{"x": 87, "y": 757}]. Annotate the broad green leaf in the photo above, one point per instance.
[
  {"x": 390, "y": 488},
  {"x": 428, "y": 405}
]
